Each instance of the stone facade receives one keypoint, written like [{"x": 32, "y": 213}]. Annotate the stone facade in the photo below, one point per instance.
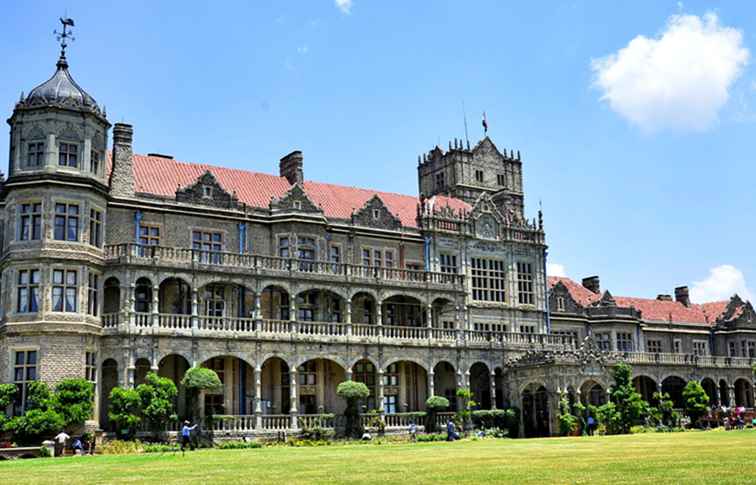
[{"x": 107, "y": 275}]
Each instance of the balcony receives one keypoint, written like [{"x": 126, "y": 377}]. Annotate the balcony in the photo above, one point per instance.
[
  {"x": 325, "y": 332},
  {"x": 254, "y": 264},
  {"x": 709, "y": 361}
]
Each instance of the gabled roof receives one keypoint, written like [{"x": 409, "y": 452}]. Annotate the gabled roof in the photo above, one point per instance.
[
  {"x": 161, "y": 176},
  {"x": 582, "y": 295}
]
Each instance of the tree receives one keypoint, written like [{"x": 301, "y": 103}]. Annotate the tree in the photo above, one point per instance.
[
  {"x": 124, "y": 411},
  {"x": 663, "y": 413},
  {"x": 353, "y": 392},
  {"x": 196, "y": 380},
  {"x": 74, "y": 400},
  {"x": 695, "y": 400},
  {"x": 40, "y": 420},
  {"x": 7, "y": 397},
  {"x": 568, "y": 423},
  {"x": 628, "y": 403},
  {"x": 158, "y": 397},
  {"x": 465, "y": 413},
  {"x": 434, "y": 404}
]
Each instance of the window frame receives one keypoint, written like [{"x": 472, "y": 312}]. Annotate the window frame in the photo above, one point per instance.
[
  {"x": 93, "y": 294},
  {"x": 65, "y": 288},
  {"x": 39, "y": 154},
  {"x": 489, "y": 279},
  {"x": 30, "y": 218},
  {"x": 70, "y": 221},
  {"x": 31, "y": 288},
  {"x": 525, "y": 283},
  {"x": 67, "y": 157},
  {"x": 96, "y": 227},
  {"x": 22, "y": 385}
]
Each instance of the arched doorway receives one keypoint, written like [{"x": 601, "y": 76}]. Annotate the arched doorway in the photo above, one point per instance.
[
  {"x": 445, "y": 383},
  {"x": 743, "y": 393},
  {"x": 317, "y": 305},
  {"x": 405, "y": 387},
  {"x": 710, "y": 388},
  {"x": 480, "y": 385},
  {"x": 276, "y": 387},
  {"x": 237, "y": 393},
  {"x": 402, "y": 310},
  {"x": 141, "y": 368},
  {"x": 724, "y": 393},
  {"x": 275, "y": 303},
  {"x": 109, "y": 379},
  {"x": 175, "y": 297},
  {"x": 143, "y": 295},
  {"x": 674, "y": 385},
  {"x": 363, "y": 309},
  {"x": 364, "y": 371},
  {"x": 646, "y": 387},
  {"x": 318, "y": 379},
  {"x": 111, "y": 295},
  {"x": 592, "y": 393},
  {"x": 174, "y": 367},
  {"x": 535, "y": 411},
  {"x": 443, "y": 313}
]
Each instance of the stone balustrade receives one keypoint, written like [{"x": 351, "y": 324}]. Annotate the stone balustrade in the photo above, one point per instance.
[
  {"x": 659, "y": 358},
  {"x": 274, "y": 266}
]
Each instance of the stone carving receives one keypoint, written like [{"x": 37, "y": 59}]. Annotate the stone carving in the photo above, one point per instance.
[
  {"x": 375, "y": 214},
  {"x": 295, "y": 199},
  {"x": 207, "y": 191}
]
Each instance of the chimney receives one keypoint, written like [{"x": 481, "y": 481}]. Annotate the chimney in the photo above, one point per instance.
[
  {"x": 291, "y": 167},
  {"x": 122, "y": 174},
  {"x": 664, "y": 297},
  {"x": 592, "y": 283},
  {"x": 682, "y": 295}
]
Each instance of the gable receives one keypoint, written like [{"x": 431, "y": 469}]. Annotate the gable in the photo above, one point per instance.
[
  {"x": 207, "y": 191},
  {"x": 295, "y": 199},
  {"x": 375, "y": 214}
]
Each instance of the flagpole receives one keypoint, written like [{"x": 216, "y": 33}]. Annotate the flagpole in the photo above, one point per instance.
[{"x": 464, "y": 115}]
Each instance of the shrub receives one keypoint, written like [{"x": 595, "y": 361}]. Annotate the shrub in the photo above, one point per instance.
[
  {"x": 7, "y": 396},
  {"x": 160, "y": 448},
  {"x": 121, "y": 447},
  {"x": 434, "y": 404},
  {"x": 568, "y": 423},
  {"x": 36, "y": 425},
  {"x": 239, "y": 445},
  {"x": 158, "y": 397},
  {"x": 199, "y": 379},
  {"x": 490, "y": 418},
  {"x": 464, "y": 414},
  {"x": 75, "y": 400},
  {"x": 663, "y": 414},
  {"x": 124, "y": 412},
  {"x": 38, "y": 396},
  {"x": 353, "y": 392},
  {"x": 431, "y": 437},
  {"x": 629, "y": 406},
  {"x": 695, "y": 400}
]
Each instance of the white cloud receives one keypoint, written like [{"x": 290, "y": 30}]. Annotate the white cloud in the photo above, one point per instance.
[
  {"x": 554, "y": 269},
  {"x": 723, "y": 282},
  {"x": 344, "y": 5},
  {"x": 679, "y": 79},
  {"x": 302, "y": 50}
]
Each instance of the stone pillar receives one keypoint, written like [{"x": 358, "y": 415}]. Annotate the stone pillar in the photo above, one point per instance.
[
  {"x": 492, "y": 387},
  {"x": 293, "y": 313},
  {"x": 195, "y": 310},
  {"x": 431, "y": 384},
  {"x": 429, "y": 316},
  {"x": 228, "y": 386},
  {"x": 348, "y": 318},
  {"x": 379, "y": 316},
  {"x": 731, "y": 394},
  {"x": 51, "y": 154},
  {"x": 294, "y": 392},
  {"x": 155, "y": 307},
  {"x": 258, "y": 397},
  {"x": 258, "y": 311},
  {"x": 380, "y": 398},
  {"x": 402, "y": 386},
  {"x": 131, "y": 305}
]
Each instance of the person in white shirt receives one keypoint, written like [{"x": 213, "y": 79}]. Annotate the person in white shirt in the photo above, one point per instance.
[{"x": 60, "y": 442}]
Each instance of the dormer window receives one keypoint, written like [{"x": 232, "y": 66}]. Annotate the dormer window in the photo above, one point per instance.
[
  {"x": 376, "y": 214},
  {"x": 560, "y": 303},
  {"x": 207, "y": 192},
  {"x": 297, "y": 204},
  {"x": 68, "y": 155},
  {"x": 35, "y": 154}
]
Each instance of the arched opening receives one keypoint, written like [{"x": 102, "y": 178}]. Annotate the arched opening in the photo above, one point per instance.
[
  {"x": 646, "y": 387},
  {"x": 175, "y": 297},
  {"x": 143, "y": 296},
  {"x": 674, "y": 386},
  {"x": 711, "y": 389},
  {"x": 724, "y": 394},
  {"x": 535, "y": 411},
  {"x": 364, "y": 371},
  {"x": 237, "y": 393},
  {"x": 363, "y": 308},
  {"x": 109, "y": 380},
  {"x": 743, "y": 393},
  {"x": 174, "y": 367},
  {"x": 501, "y": 403},
  {"x": 405, "y": 387},
  {"x": 226, "y": 300},
  {"x": 320, "y": 306},
  {"x": 141, "y": 368},
  {"x": 275, "y": 303},
  {"x": 276, "y": 387},
  {"x": 480, "y": 385},
  {"x": 404, "y": 311},
  {"x": 443, "y": 314},
  {"x": 318, "y": 379},
  {"x": 111, "y": 295},
  {"x": 445, "y": 383},
  {"x": 592, "y": 393}
]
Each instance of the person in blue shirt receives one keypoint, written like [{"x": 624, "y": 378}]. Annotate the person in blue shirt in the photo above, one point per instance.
[{"x": 186, "y": 436}]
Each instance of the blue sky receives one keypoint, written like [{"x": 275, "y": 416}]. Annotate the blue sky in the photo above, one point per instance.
[{"x": 642, "y": 157}]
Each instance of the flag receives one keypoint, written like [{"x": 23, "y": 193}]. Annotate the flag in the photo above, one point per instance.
[{"x": 485, "y": 123}]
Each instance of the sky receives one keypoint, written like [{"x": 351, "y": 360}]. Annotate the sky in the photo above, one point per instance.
[{"x": 635, "y": 120}]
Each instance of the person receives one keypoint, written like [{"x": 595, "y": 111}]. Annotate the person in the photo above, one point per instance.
[
  {"x": 591, "y": 425},
  {"x": 451, "y": 433},
  {"x": 186, "y": 436},
  {"x": 413, "y": 431},
  {"x": 77, "y": 447},
  {"x": 60, "y": 443}
]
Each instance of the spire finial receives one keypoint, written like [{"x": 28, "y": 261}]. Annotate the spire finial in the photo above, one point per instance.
[{"x": 63, "y": 37}]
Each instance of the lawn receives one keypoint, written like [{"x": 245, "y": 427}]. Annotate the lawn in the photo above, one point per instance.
[{"x": 694, "y": 457}]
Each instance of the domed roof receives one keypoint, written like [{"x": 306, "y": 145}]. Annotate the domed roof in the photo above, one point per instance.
[{"x": 62, "y": 91}]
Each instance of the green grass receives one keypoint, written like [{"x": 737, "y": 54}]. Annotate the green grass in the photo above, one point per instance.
[{"x": 695, "y": 457}]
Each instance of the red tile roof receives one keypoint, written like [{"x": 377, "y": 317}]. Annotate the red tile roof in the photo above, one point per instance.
[
  {"x": 651, "y": 309},
  {"x": 162, "y": 176}
]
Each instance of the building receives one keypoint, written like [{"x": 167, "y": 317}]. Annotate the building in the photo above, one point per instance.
[{"x": 115, "y": 264}]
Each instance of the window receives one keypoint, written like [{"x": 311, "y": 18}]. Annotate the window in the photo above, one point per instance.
[
  {"x": 207, "y": 192},
  {"x": 64, "y": 290},
  {"x": 525, "y": 293},
  {"x": 751, "y": 349},
  {"x": 148, "y": 236},
  {"x": 30, "y": 223},
  {"x": 376, "y": 214},
  {"x": 215, "y": 301},
  {"x": 501, "y": 180},
  {"x": 624, "y": 342},
  {"x": 571, "y": 334},
  {"x": 27, "y": 299},
  {"x": 66, "y": 222},
  {"x": 209, "y": 244},
  {"x": 487, "y": 279},
  {"x": 366, "y": 257},
  {"x": 388, "y": 259},
  {"x": 448, "y": 263},
  {"x": 654, "y": 346},
  {"x": 677, "y": 346},
  {"x": 391, "y": 377},
  {"x": 603, "y": 341},
  {"x": 284, "y": 306},
  {"x": 92, "y": 294},
  {"x": 479, "y": 176},
  {"x": 90, "y": 367},
  {"x": 95, "y": 228},
  {"x": 365, "y": 372},
  {"x": 743, "y": 348},
  {"x": 94, "y": 162},
  {"x": 68, "y": 155},
  {"x": 733, "y": 349},
  {"x": 377, "y": 260},
  {"x": 440, "y": 180},
  {"x": 527, "y": 328},
  {"x": 35, "y": 154},
  {"x": 24, "y": 372},
  {"x": 307, "y": 373},
  {"x": 283, "y": 247},
  {"x": 414, "y": 266},
  {"x": 560, "y": 304},
  {"x": 335, "y": 254},
  {"x": 389, "y": 403},
  {"x": 700, "y": 347}
]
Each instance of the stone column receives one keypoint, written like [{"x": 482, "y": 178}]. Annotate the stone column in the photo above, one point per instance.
[
  {"x": 731, "y": 394},
  {"x": 380, "y": 397},
  {"x": 258, "y": 397},
  {"x": 431, "y": 384},
  {"x": 258, "y": 311},
  {"x": 429, "y": 316},
  {"x": 348, "y": 318},
  {"x": 155, "y": 306},
  {"x": 195, "y": 310},
  {"x": 294, "y": 392},
  {"x": 293, "y": 313},
  {"x": 131, "y": 305},
  {"x": 379, "y": 316},
  {"x": 492, "y": 386}
]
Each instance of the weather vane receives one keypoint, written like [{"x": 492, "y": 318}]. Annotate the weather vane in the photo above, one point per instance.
[{"x": 65, "y": 35}]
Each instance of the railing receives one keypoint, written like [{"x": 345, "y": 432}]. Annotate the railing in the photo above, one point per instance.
[
  {"x": 321, "y": 328},
  {"x": 405, "y": 333},
  {"x": 176, "y": 322},
  {"x": 276, "y": 326},
  {"x": 316, "y": 421},
  {"x": 226, "y": 324},
  {"x": 169, "y": 255},
  {"x": 656, "y": 358},
  {"x": 110, "y": 320},
  {"x": 234, "y": 423},
  {"x": 276, "y": 422},
  {"x": 364, "y": 330},
  {"x": 444, "y": 334},
  {"x": 402, "y": 420},
  {"x": 143, "y": 320},
  {"x": 443, "y": 418}
]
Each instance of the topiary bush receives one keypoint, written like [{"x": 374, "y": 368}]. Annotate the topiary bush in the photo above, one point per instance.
[
  {"x": 353, "y": 392},
  {"x": 75, "y": 401},
  {"x": 124, "y": 412},
  {"x": 434, "y": 404},
  {"x": 199, "y": 379},
  {"x": 158, "y": 396},
  {"x": 695, "y": 400}
]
